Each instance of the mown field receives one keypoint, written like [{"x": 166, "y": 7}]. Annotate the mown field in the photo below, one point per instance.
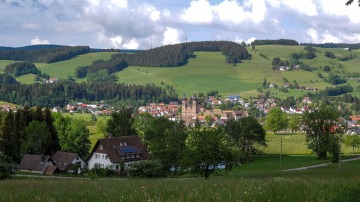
[
  {"x": 208, "y": 71},
  {"x": 261, "y": 180}
]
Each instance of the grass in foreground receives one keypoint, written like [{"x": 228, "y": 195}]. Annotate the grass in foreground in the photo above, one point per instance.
[{"x": 321, "y": 184}]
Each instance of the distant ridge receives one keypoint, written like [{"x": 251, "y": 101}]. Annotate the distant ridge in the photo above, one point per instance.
[{"x": 32, "y": 47}]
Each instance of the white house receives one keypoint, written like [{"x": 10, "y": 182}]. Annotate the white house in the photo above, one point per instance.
[
  {"x": 111, "y": 152},
  {"x": 233, "y": 98}
]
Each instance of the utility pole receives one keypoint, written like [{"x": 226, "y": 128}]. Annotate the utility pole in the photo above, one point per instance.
[
  {"x": 281, "y": 153},
  {"x": 340, "y": 153}
]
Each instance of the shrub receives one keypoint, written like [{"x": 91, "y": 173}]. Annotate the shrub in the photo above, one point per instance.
[
  {"x": 4, "y": 171},
  {"x": 148, "y": 168},
  {"x": 101, "y": 172}
]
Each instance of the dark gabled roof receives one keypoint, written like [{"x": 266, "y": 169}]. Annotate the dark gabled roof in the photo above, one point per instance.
[
  {"x": 50, "y": 170},
  {"x": 33, "y": 162},
  {"x": 63, "y": 159},
  {"x": 116, "y": 147}
]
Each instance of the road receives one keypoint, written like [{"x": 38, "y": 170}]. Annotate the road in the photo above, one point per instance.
[{"x": 321, "y": 165}]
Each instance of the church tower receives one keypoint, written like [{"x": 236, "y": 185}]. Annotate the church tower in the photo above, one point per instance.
[{"x": 183, "y": 106}]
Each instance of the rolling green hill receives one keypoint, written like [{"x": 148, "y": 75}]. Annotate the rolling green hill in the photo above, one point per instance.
[{"x": 207, "y": 71}]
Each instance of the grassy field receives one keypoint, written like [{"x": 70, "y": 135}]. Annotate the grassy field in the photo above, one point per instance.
[
  {"x": 261, "y": 180},
  {"x": 208, "y": 71},
  {"x": 67, "y": 68}
]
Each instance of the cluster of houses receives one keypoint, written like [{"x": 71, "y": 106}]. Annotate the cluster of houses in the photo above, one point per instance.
[
  {"x": 96, "y": 109},
  {"x": 116, "y": 153},
  {"x": 190, "y": 111}
]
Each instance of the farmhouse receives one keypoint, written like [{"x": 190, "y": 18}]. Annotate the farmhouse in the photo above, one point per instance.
[
  {"x": 38, "y": 164},
  {"x": 69, "y": 162},
  {"x": 113, "y": 151}
]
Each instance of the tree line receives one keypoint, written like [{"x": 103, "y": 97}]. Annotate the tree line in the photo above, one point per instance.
[
  {"x": 21, "y": 68},
  {"x": 44, "y": 55},
  {"x": 59, "y": 93},
  {"x": 284, "y": 42},
  {"x": 334, "y": 45},
  {"x": 39, "y": 131}
]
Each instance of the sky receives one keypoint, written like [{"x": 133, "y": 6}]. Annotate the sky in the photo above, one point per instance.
[{"x": 144, "y": 24}]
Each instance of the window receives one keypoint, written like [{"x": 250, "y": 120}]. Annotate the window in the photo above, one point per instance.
[
  {"x": 137, "y": 155},
  {"x": 106, "y": 156},
  {"x": 97, "y": 156},
  {"x": 77, "y": 158},
  {"x": 101, "y": 147},
  {"x": 123, "y": 157},
  {"x": 132, "y": 156},
  {"x": 127, "y": 156}
]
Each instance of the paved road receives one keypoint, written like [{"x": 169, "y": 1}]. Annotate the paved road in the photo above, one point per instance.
[{"x": 321, "y": 165}]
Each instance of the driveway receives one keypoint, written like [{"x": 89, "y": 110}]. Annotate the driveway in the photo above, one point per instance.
[{"x": 322, "y": 164}]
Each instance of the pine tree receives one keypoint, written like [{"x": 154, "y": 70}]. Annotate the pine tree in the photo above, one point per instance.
[{"x": 7, "y": 143}]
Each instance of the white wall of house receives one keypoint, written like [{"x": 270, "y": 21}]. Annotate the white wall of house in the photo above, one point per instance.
[
  {"x": 78, "y": 160},
  {"x": 104, "y": 162},
  {"x": 100, "y": 159}
]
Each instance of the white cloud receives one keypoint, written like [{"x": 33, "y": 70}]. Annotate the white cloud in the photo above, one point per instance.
[
  {"x": 116, "y": 41},
  {"x": 132, "y": 44},
  {"x": 329, "y": 38},
  {"x": 313, "y": 35},
  {"x": 250, "y": 40},
  {"x": 171, "y": 36},
  {"x": 337, "y": 8},
  {"x": 274, "y": 3},
  {"x": 307, "y": 7},
  {"x": 125, "y": 23},
  {"x": 151, "y": 11},
  {"x": 199, "y": 12},
  {"x": 37, "y": 40}
]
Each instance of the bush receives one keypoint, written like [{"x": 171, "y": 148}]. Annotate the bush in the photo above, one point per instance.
[
  {"x": 101, "y": 172},
  {"x": 148, "y": 168},
  {"x": 4, "y": 171}
]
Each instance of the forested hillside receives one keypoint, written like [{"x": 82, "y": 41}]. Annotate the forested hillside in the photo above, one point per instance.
[
  {"x": 166, "y": 56},
  {"x": 44, "y": 55},
  {"x": 58, "y": 94},
  {"x": 284, "y": 42}
]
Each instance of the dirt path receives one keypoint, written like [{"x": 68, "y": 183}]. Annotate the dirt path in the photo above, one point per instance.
[{"x": 321, "y": 165}]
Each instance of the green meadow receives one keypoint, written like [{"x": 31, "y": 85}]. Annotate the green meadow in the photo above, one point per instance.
[
  {"x": 67, "y": 68},
  {"x": 261, "y": 180},
  {"x": 209, "y": 71}
]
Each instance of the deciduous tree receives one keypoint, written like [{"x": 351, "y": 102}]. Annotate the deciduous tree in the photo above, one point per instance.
[
  {"x": 320, "y": 125},
  {"x": 166, "y": 141},
  {"x": 276, "y": 120},
  {"x": 352, "y": 141},
  {"x": 121, "y": 123},
  {"x": 207, "y": 148},
  {"x": 245, "y": 133}
]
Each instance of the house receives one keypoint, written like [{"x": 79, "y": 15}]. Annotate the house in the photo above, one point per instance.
[
  {"x": 232, "y": 98},
  {"x": 113, "y": 151},
  {"x": 38, "y": 164},
  {"x": 306, "y": 100},
  {"x": 52, "y": 80},
  {"x": 69, "y": 162},
  {"x": 56, "y": 109}
]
